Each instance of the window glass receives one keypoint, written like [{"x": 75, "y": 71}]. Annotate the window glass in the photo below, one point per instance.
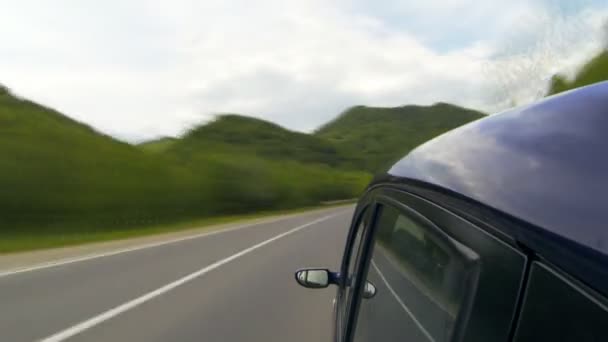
[
  {"x": 554, "y": 310},
  {"x": 421, "y": 277}
]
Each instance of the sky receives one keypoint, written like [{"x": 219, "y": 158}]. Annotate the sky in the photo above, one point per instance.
[{"x": 144, "y": 69}]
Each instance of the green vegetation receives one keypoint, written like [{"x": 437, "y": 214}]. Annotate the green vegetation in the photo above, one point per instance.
[
  {"x": 594, "y": 71},
  {"x": 55, "y": 172},
  {"x": 235, "y": 134},
  {"x": 63, "y": 182},
  {"x": 157, "y": 145},
  {"x": 380, "y": 136},
  {"x": 361, "y": 138}
]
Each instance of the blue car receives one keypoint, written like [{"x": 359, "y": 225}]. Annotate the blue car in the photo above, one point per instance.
[{"x": 495, "y": 231}]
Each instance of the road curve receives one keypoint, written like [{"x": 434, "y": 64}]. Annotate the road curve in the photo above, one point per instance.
[{"x": 235, "y": 285}]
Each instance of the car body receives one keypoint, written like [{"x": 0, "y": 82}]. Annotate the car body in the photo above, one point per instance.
[{"x": 495, "y": 231}]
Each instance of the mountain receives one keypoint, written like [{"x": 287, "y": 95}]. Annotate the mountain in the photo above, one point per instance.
[
  {"x": 57, "y": 174},
  {"x": 54, "y": 168},
  {"x": 157, "y": 145},
  {"x": 361, "y": 138},
  {"x": 380, "y": 136},
  {"x": 594, "y": 71},
  {"x": 236, "y": 134}
]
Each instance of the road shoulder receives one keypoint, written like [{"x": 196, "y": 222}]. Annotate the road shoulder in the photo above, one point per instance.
[{"x": 16, "y": 262}]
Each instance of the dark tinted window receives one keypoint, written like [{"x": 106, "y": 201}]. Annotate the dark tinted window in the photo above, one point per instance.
[
  {"x": 421, "y": 276},
  {"x": 500, "y": 274},
  {"x": 555, "y": 310}
]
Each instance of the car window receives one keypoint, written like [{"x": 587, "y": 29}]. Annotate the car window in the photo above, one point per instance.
[
  {"x": 555, "y": 310},
  {"x": 421, "y": 278}
]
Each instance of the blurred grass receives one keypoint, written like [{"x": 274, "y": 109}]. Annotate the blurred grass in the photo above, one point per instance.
[{"x": 67, "y": 235}]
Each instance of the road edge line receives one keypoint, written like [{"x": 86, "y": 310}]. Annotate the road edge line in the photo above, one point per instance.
[{"x": 67, "y": 261}]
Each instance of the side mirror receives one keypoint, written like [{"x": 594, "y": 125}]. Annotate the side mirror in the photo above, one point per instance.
[
  {"x": 315, "y": 278},
  {"x": 369, "y": 290}
]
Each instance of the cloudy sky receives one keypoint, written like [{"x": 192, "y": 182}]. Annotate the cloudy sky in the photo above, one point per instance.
[{"x": 141, "y": 69}]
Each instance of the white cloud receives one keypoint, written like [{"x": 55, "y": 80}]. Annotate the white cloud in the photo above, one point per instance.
[
  {"x": 522, "y": 66},
  {"x": 145, "y": 68}
]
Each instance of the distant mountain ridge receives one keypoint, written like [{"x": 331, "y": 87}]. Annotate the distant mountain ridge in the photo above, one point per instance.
[
  {"x": 232, "y": 133},
  {"x": 380, "y": 136},
  {"x": 157, "y": 145},
  {"x": 362, "y": 138}
]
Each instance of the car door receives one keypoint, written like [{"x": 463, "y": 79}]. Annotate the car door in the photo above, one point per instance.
[{"x": 438, "y": 277}]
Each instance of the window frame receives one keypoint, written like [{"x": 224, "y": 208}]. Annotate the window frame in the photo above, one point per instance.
[
  {"x": 430, "y": 227},
  {"x": 496, "y": 252},
  {"x": 366, "y": 209}
]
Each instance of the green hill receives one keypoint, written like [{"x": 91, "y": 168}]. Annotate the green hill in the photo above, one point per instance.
[
  {"x": 54, "y": 169},
  {"x": 380, "y": 136},
  {"x": 362, "y": 138},
  {"x": 157, "y": 145},
  {"x": 58, "y": 174},
  {"x": 594, "y": 71},
  {"x": 236, "y": 134}
]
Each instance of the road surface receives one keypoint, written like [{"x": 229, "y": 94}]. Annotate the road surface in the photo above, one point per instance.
[{"x": 236, "y": 285}]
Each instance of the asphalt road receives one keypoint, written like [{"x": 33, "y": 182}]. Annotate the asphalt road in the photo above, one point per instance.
[{"x": 236, "y": 285}]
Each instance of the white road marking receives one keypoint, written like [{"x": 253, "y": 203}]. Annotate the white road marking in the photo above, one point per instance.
[
  {"x": 61, "y": 262},
  {"x": 82, "y": 326},
  {"x": 407, "y": 310}
]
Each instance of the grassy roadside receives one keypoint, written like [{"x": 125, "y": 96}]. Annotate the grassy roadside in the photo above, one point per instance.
[{"x": 29, "y": 240}]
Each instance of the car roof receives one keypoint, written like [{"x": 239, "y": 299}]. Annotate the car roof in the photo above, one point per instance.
[{"x": 545, "y": 164}]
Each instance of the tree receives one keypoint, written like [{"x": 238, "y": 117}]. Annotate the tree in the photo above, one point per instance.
[{"x": 4, "y": 89}]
